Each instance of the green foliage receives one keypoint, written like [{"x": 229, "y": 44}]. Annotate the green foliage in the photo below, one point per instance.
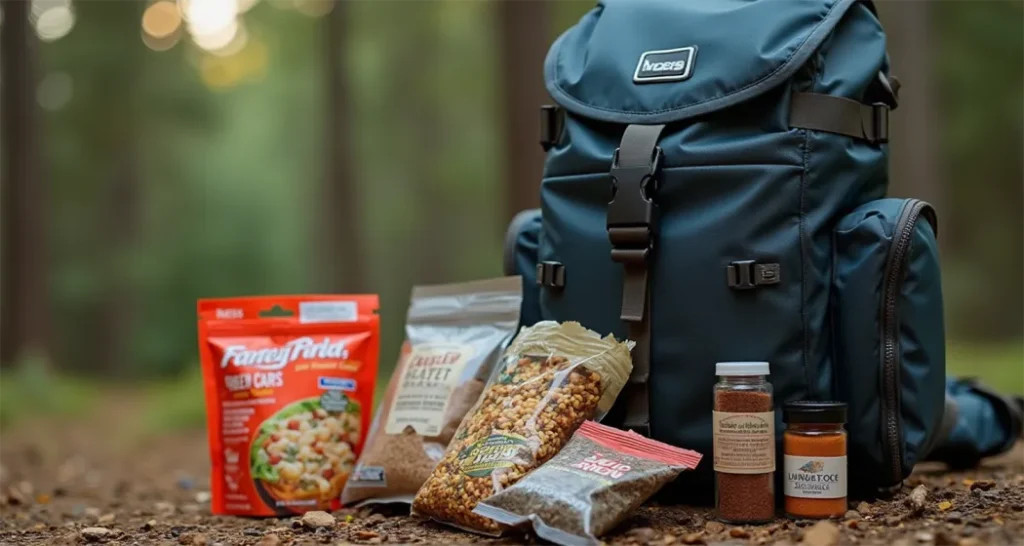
[
  {"x": 1000, "y": 366},
  {"x": 175, "y": 404},
  {"x": 31, "y": 389}
]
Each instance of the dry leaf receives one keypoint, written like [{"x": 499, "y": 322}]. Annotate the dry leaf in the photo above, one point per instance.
[{"x": 945, "y": 505}]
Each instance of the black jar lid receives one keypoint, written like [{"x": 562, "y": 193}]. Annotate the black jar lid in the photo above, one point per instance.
[{"x": 807, "y": 412}]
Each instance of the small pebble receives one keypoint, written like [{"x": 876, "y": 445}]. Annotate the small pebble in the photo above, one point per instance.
[
  {"x": 823, "y": 533},
  {"x": 366, "y": 535},
  {"x": 93, "y": 512},
  {"x": 852, "y": 523},
  {"x": 199, "y": 539},
  {"x": 738, "y": 532},
  {"x": 269, "y": 540},
  {"x": 918, "y": 497},
  {"x": 694, "y": 538},
  {"x": 149, "y": 525},
  {"x": 203, "y": 497},
  {"x": 96, "y": 534},
  {"x": 317, "y": 519},
  {"x": 983, "y": 485},
  {"x": 852, "y": 514},
  {"x": 714, "y": 527},
  {"x": 185, "y": 483},
  {"x": 106, "y": 519},
  {"x": 924, "y": 536},
  {"x": 864, "y": 508},
  {"x": 955, "y": 517},
  {"x": 251, "y": 531}
]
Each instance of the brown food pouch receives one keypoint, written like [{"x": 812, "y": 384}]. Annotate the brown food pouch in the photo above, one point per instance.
[
  {"x": 597, "y": 480},
  {"x": 454, "y": 336},
  {"x": 553, "y": 377}
]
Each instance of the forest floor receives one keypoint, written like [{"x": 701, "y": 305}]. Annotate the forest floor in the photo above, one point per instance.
[{"x": 59, "y": 477}]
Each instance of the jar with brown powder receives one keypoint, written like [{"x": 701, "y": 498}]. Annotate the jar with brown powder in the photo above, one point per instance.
[{"x": 744, "y": 439}]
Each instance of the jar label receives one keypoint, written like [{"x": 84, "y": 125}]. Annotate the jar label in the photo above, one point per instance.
[
  {"x": 744, "y": 442},
  {"x": 815, "y": 477}
]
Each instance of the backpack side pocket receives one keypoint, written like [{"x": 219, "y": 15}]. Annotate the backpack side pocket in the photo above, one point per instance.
[{"x": 889, "y": 336}]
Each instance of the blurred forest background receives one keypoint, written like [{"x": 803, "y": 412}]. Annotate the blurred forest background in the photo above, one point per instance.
[{"x": 155, "y": 152}]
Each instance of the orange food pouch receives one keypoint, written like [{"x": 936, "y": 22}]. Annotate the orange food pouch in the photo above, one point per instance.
[{"x": 289, "y": 390}]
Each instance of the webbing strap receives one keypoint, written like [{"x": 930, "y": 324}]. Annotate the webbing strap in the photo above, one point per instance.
[
  {"x": 840, "y": 115},
  {"x": 632, "y": 227}
]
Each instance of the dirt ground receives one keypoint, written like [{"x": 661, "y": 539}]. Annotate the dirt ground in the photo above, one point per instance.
[{"x": 59, "y": 478}]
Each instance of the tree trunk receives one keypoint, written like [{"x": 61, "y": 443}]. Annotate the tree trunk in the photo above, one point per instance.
[
  {"x": 914, "y": 170},
  {"x": 344, "y": 261},
  {"x": 24, "y": 290},
  {"x": 523, "y": 27}
]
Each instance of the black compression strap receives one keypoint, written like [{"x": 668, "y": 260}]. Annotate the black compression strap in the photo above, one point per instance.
[{"x": 840, "y": 115}]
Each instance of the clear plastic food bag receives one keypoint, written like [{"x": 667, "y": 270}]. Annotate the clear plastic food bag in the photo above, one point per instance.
[{"x": 552, "y": 378}]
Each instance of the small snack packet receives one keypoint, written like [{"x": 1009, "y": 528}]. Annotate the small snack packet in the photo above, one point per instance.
[
  {"x": 552, "y": 378},
  {"x": 597, "y": 480},
  {"x": 454, "y": 336},
  {"x": 289, "y": 387}
]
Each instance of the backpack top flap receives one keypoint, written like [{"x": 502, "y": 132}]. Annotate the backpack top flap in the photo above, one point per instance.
[{"x": 658, "y": 61}]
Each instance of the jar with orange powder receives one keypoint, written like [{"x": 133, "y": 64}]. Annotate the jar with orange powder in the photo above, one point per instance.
[{"x": 814, "y": 446}]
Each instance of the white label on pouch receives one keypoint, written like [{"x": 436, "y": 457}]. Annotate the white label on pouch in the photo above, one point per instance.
[
  {"x": 744, "y": 442},
  {"x": 815, "y": 477},
  {"x": 430, "y": 373}
]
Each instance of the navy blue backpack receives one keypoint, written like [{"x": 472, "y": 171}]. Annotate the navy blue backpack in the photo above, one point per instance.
[{"x": 714, "y": 190}]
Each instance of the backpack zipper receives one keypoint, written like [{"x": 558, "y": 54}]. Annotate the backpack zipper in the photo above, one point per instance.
[{"x": 899, "y": 252}]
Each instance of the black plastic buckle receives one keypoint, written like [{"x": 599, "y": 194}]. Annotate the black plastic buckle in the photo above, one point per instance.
[
  {"x": 876, "y": 126},
  {"x": 632, "y": 212},
  {"x": 748, "y": 274},
  {"x": 551, "y": 274}
]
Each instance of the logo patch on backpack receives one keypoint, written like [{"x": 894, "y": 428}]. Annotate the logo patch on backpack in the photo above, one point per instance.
[{"x": 665, "y": 65}]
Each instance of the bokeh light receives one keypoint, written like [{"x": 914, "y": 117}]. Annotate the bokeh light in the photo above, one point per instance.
[
  {"x": 218, "y": 39},
  {"x": 163, "y": 43},
  {"x": 52, "y": 19},
  {"x": 161, "y": 19},
  {"x": 53, "y": 23},
  {"x": 55, "y": 91},
  {"x": 236, "y": 44}
]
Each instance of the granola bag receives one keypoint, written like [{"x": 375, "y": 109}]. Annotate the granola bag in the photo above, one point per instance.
[
  {"x": 597, "y": 480},
  {"x": 289, "y": 385},
  {"x": 454, "y": 336},
  {"x": 552, "y": 378}
]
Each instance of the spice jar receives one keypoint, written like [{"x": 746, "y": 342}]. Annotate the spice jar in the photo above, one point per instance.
[
  {"x": 744, "y": 437},
  {"x": 814, "y": 447}
]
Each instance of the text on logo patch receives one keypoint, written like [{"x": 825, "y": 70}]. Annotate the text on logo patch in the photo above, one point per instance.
[{"x": 665, "y": 65}]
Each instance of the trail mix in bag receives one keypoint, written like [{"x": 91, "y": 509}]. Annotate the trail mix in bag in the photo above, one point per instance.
[
  {"x": 454, "y": 336},
  {"x": 552, "y": 378},
  {"x": 289, "y": 385},
  {"x": 595, "y": 482}
]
